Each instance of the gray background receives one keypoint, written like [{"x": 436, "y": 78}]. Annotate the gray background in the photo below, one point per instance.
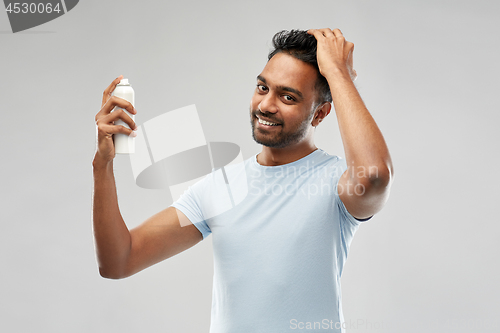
[{"x": 428, "y": 71}]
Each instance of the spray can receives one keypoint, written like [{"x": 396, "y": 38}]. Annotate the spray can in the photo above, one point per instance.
[{"x": 124, "y": 144}]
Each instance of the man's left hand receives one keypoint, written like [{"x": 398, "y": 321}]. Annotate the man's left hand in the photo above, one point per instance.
[{"x": 334, "y": 53}]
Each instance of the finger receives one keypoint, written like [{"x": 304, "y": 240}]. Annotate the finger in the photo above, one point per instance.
[
  {"x": 320, "y": 33},
  {"x": 107, "y": 130},
  {"x": 115, "y": 101},
  {"x": 109, "y": 90},
  {"x": 337, "y": 33},
  {"x": 349, "y": 49},
  {"x": 116, "y": 115},
  {"x": 316, "y": 33},
  {"x": 327, "y": 32}
]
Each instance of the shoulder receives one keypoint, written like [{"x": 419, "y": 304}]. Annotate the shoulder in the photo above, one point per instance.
[{"x": 335, "y": 165}]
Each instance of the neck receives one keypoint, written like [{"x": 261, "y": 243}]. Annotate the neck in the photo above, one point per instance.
[{"x": 279, "y": 156}]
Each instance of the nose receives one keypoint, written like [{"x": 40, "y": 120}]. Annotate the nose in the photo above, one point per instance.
[{"x": 268, "y": 103}]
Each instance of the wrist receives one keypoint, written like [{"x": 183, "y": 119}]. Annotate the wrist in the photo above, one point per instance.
[
  {"x": 100, "y": 163},
  {"x": 335, "y": 73}
]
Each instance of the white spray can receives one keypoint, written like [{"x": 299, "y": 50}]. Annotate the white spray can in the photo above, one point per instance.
[{"x": 124, "y": 144}]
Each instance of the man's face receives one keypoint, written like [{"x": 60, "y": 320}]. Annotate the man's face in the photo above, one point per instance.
[{"x": 285, "y": 96}]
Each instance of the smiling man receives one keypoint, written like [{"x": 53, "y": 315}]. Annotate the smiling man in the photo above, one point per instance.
[{"x": 279, "y": 253}]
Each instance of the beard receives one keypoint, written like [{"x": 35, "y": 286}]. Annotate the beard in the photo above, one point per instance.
[{"x": 278, "y": 138}]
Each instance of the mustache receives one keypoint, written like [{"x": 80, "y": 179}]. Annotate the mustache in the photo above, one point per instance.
[{"x": 266, "y": 117}]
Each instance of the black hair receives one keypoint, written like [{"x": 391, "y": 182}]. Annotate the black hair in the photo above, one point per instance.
[{"x": 301, "y": 45}]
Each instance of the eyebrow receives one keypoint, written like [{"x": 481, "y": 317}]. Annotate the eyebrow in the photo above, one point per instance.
[{"x": 283, "y": 88}]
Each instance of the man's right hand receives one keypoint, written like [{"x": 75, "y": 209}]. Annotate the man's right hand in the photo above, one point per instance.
[
  {"x": 120, "y": 252},
  {"x": 105, "y": 119}
]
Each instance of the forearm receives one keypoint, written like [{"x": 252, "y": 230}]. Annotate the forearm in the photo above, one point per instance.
[
  {"x": 112, "y": 237},
  {"x": 366, "y": 152}
]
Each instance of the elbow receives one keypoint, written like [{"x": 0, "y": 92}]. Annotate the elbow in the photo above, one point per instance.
[
  {"x": 379, "y": 177},
  {"x": 111, "y": 274},
  {"x": 383, "y": 178},
  {"x": 113, "y": 267}
]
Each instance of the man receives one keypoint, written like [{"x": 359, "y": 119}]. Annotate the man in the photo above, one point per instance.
[{"x": 278, "y": 255}]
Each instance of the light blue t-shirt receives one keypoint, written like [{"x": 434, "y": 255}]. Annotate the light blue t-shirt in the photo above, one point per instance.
[{"x": 280, "y": 242}]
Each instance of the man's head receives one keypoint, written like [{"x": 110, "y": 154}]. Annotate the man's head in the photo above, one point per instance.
[
  {"x": 290, "y": 93},
  {"x": 301, "y": 45}
]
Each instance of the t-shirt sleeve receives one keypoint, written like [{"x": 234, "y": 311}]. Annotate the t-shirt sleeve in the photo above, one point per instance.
[
  {"x": 189, "y": 203},
  {"x": 343, "y": 212},
  {"x": 342, "y": 167},
  {"x": 347, "y": 224}
]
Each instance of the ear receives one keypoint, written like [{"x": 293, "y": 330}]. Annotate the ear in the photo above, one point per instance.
[{"x": 321, "y": 112}]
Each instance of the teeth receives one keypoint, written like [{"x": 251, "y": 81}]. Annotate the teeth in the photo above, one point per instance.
[{"x": 266, "y": 122}]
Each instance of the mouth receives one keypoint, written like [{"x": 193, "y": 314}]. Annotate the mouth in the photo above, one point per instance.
[{"x": 265, "y": 123}]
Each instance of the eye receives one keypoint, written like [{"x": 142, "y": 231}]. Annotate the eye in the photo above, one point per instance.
[
  {"x": 261, "y": 88},
  {"x": 288, "y": 98}
]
